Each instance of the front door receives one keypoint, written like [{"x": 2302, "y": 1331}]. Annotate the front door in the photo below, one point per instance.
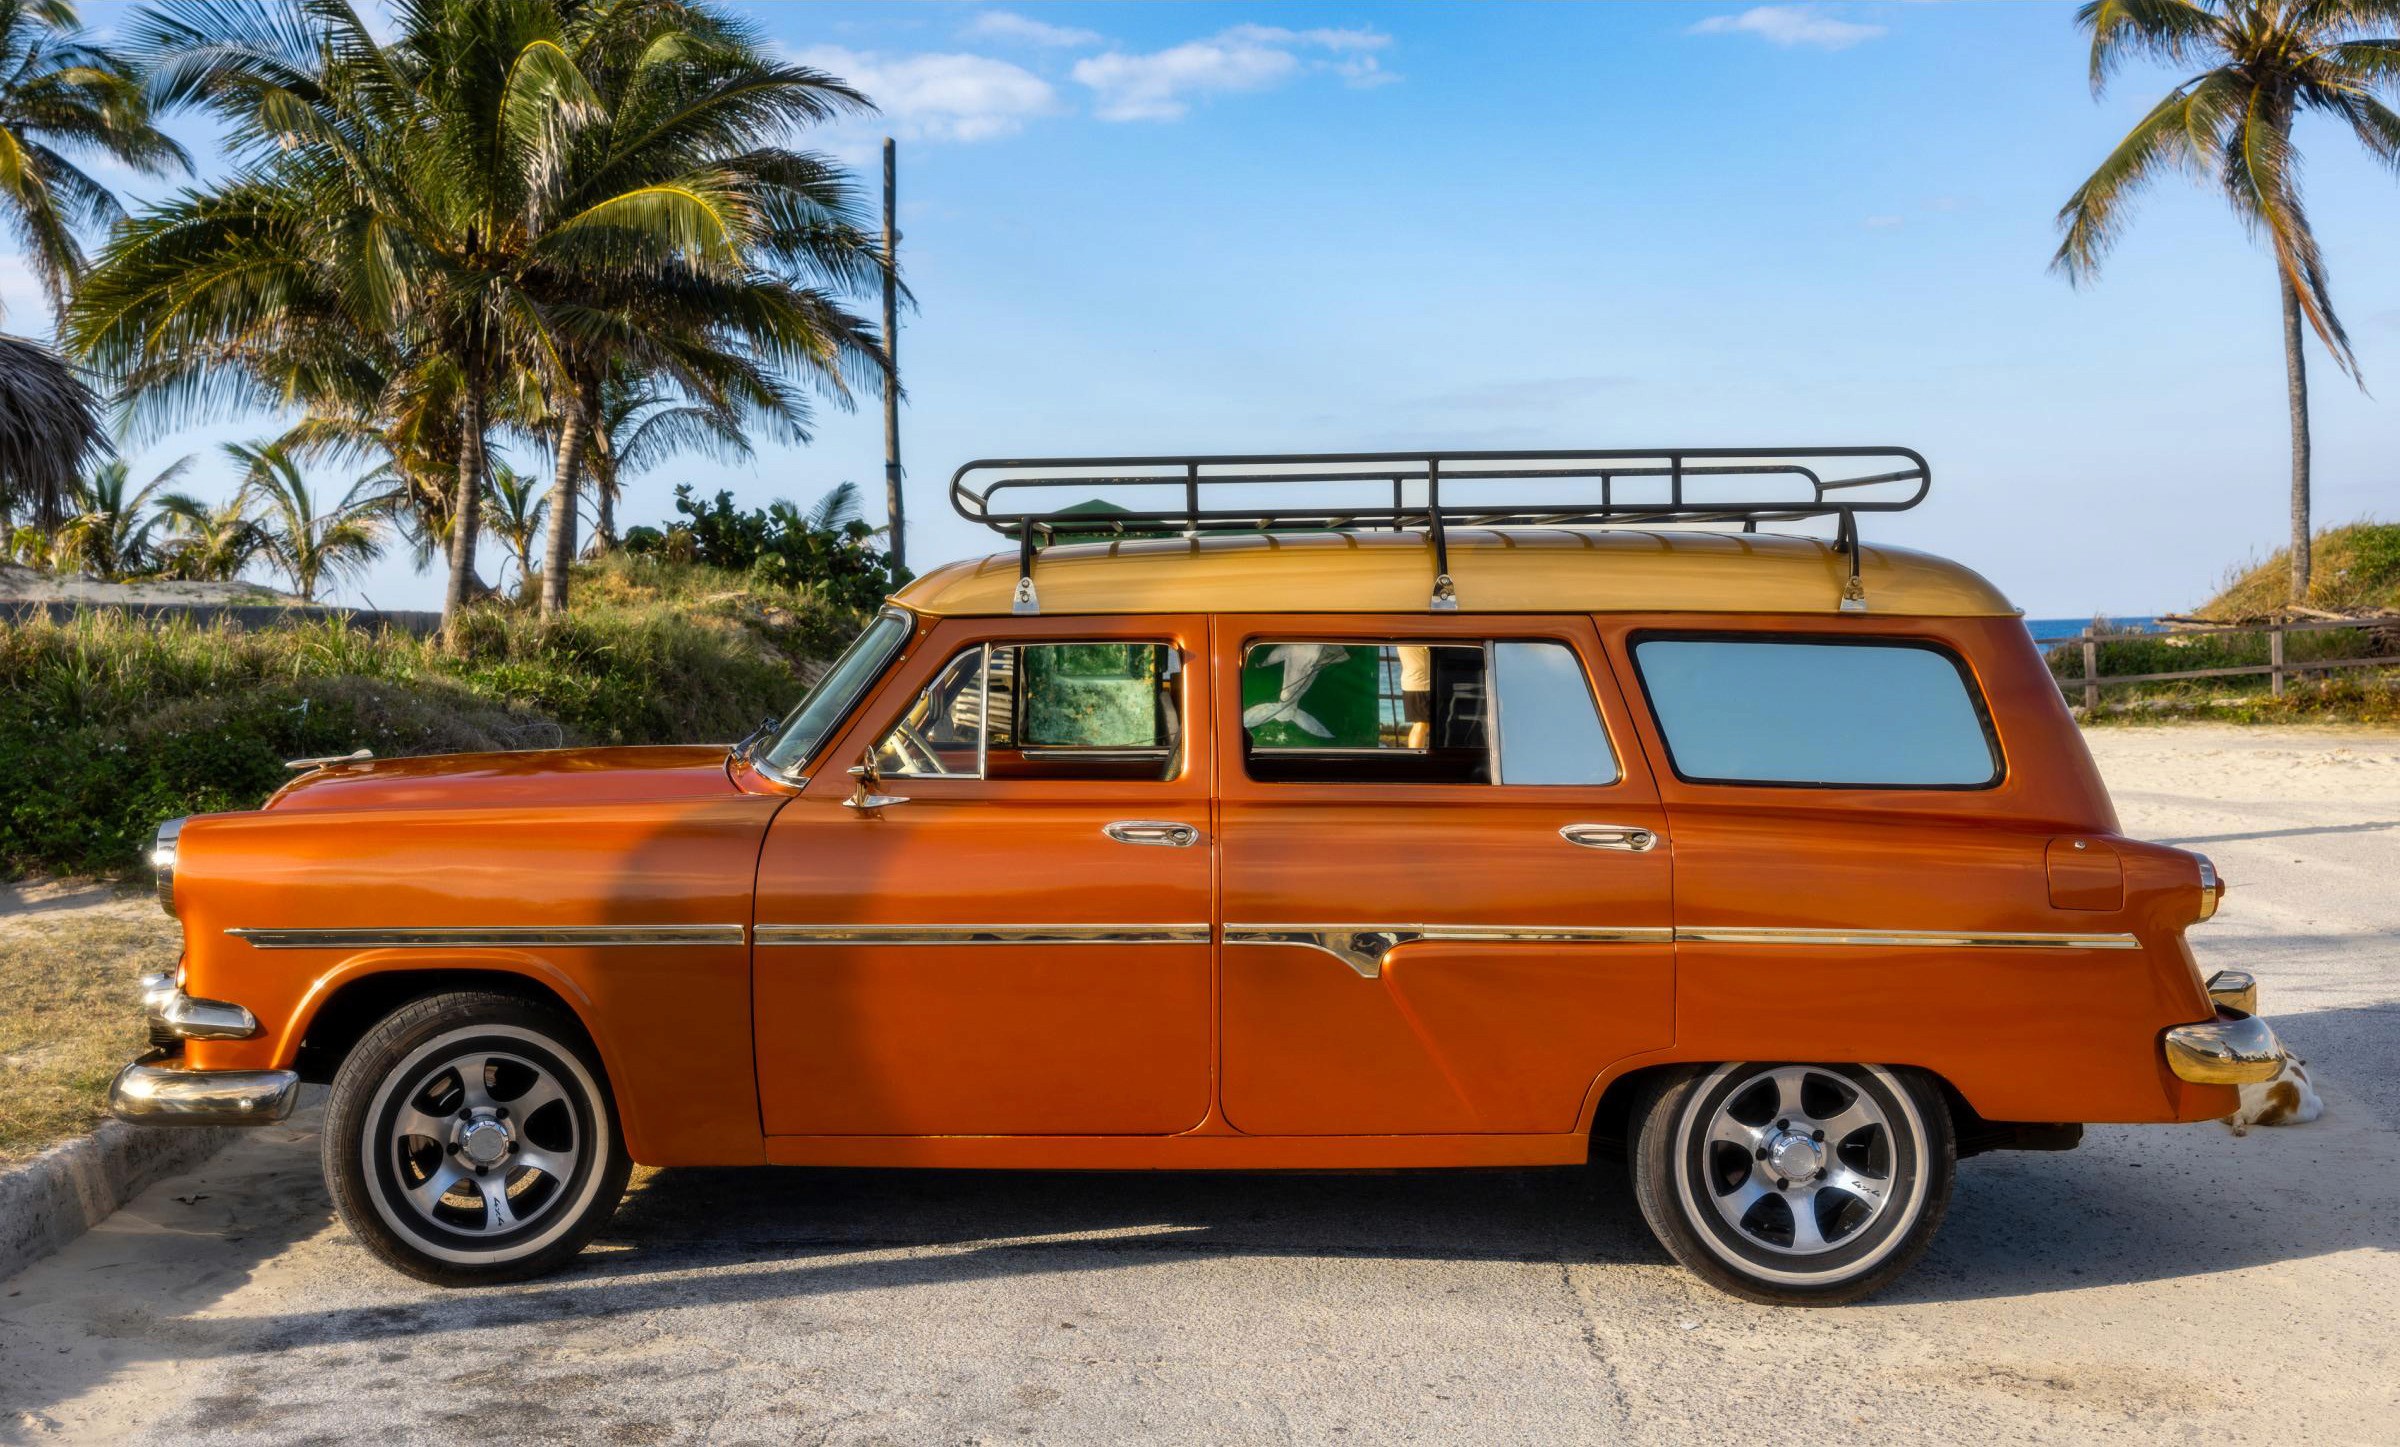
[
  {"x": 1446, "y": 896},
  {"x": 1017, "y": 942}
]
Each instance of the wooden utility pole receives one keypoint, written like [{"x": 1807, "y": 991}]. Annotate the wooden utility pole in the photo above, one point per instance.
[{"x": 893, "y": 506}]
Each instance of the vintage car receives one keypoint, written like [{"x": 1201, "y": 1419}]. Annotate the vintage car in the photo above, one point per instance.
[{"x": 1198, "y": 831}]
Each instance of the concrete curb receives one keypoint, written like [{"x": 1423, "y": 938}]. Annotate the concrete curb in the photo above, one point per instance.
[{"x": 68, "y": 1189}]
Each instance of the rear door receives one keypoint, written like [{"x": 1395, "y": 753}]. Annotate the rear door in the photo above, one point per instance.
[{"x": 1445, "y": 894}]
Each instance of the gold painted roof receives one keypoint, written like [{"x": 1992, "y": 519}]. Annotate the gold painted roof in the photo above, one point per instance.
[{"x": 1497, "y": 570}]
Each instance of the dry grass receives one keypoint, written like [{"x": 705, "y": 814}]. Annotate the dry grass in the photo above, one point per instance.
[
  {"x": 2352, "y": 569},
  {"x": 68, "y": 1016}
]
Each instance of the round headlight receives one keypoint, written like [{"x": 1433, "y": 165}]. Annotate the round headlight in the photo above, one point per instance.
[
  {"x": 2212, "y": 887},
  {"x": 162, "y": 862}
]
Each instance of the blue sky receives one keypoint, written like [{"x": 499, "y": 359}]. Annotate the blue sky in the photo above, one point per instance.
[{"x": 1161, "y": 228}]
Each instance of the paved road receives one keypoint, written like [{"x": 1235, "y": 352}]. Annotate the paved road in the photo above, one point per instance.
[{"x": 2162, "y": 1283}]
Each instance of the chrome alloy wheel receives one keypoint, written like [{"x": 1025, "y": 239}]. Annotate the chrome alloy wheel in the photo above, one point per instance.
[
  {"x": 1797, "y": 1160},
  {"x": 479, "y": 1143}
]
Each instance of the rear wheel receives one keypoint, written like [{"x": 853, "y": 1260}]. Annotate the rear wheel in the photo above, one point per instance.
[
  {"x": 1794, "y": 1184},
  {"x": 470, "y": 1138}
]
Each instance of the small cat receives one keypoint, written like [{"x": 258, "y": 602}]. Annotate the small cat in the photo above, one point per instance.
[{"x": 2287, "y": 1099}]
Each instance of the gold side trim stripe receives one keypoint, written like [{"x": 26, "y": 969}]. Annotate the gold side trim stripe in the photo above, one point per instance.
[
  {"x": 1904, "y": 938},
  {"x": 982, "y": 934},
  {"x": 576, "y": 936},
  {"x": 1363, "y": 947}
]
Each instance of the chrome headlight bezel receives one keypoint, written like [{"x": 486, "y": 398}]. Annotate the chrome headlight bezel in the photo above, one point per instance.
[
  {"x": 162, "y": 861},
  {"x": 2212, "y": 888}
]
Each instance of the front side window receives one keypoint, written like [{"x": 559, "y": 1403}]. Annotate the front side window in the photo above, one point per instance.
[
  {"x": 834, "y": 693},
  {"x": 1043, "y": 711},
  {"x": 1885, "y": 714},
  {"x": 1502, "y": 712}
]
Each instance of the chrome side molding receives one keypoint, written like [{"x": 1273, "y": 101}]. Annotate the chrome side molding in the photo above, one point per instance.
[
  {"x": 1902, "y": 938},
  {"x": 1364, "y": 947},
  {"x": 1631, "y": 838},
  {"x": 504, "y": 938},
  {"x": 982, "y": 934}
]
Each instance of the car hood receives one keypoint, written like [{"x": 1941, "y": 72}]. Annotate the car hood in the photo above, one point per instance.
[{"x": 547, "y": 776}]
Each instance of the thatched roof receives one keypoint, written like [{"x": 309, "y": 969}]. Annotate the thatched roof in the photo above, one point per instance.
[{"x": 49, "y": 426}]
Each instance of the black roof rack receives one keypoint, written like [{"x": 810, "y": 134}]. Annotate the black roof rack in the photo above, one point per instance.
[{"x": 1040, "y": 500}]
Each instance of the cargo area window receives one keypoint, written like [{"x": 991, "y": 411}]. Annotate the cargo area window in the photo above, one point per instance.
[
  {"x": 1043, "y": 711},
  {"x": 1500, "y": 712},
  {"x": 1796, "y": 712}
]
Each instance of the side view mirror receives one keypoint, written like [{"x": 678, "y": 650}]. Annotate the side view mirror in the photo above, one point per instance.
[{"x": 869, "y": 793}]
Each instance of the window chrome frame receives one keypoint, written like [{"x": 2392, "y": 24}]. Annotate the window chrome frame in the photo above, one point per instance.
[{"x": 842, "y": 717}]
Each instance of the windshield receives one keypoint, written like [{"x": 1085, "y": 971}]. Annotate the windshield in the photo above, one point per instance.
[{"x": 834, "y": 693}]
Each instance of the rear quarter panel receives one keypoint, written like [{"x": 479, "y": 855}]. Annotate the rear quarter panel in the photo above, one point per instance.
[{"x": 2036, "y": 1034}]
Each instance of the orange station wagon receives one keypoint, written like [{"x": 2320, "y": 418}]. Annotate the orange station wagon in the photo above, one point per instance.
[{"x": 1322, "y": 812}]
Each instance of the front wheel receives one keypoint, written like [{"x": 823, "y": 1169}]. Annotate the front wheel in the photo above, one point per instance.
[
  {"x": 470, "y": 1138},
  {"x": 1807, "y": 1185}
]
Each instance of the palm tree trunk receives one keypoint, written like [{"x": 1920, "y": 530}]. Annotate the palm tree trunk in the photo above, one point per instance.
[
  {"x": 466, "y": 511},
  {"x": 561, "y": 554},
  {"x": 604, "y": 490},
  {"x": 2296, "y": 384}
]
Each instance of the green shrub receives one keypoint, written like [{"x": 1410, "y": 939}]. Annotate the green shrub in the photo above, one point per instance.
[{"x": 109, "y": 723}]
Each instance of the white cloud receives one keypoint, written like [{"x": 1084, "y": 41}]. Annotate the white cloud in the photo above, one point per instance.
[
  {"x": 1884, "y": 223},
  {"x": 942, "y": 97},
  {"x": 1007, "y": 25},
  {"x": 1790, "y": 25},
  {"x": 1161, "y": 85}
]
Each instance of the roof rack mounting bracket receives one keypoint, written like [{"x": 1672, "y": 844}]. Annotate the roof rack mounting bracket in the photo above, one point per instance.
[
  {"x": 1027, "y": 603},
  {"x": 1845, "y": 542}
]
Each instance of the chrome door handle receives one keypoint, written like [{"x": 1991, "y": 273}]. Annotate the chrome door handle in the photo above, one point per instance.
[
  {"x": 1153, "y": 831},
  {"x": 1630, "y": 838}
]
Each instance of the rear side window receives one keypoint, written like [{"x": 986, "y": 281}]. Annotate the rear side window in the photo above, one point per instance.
[
  {"x": 1502, "y": 712},
  {"x": 1849, "y": 714}
]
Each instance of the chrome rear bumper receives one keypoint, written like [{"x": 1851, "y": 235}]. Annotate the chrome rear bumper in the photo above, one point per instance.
[
  {"x": 2236, "y": 1048},
  {"x": 152, "y": 1091}
]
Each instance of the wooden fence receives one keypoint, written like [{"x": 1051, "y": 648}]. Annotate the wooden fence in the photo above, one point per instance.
[{"x": 2277, "y": 668}]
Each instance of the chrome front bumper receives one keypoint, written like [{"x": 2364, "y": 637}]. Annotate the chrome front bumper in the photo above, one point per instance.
[
  {"x": 2236, "y": 1048},
  {"x": 153, "y": 1091}
]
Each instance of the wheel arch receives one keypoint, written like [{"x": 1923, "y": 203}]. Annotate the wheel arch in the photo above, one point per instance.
[
  {"x": 341, "y": 1015},
  {"x": 1611, "y": 1120}
]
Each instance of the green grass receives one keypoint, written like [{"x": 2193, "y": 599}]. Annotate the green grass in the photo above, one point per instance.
[
  {"x": 2354, "y": 569},
  {"x": 109, "y": 723}
]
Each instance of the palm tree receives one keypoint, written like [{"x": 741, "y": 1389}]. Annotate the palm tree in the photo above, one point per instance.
[
  {"x": 108, "y": 534},
  {"x": 306, "y": 542},
  {"x": 58, "y": 90},
  {"x": 639, "y": 423},
  {"x": 49, "y": 426},
  {"x": 208, "y": 543},
  {"x": 2262, "y": 62},
  {"x": 514, "y": 513},
  {"x": 468, "y": 192}
]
